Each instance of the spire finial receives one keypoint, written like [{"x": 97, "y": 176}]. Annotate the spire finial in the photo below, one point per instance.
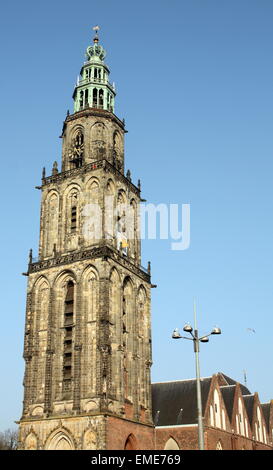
[{"x": 96, "y": 29}]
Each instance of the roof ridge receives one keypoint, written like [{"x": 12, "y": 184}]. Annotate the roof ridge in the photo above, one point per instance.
[
  {"x": 222, "y": 386},
  {"x": 181, "y": 380}
]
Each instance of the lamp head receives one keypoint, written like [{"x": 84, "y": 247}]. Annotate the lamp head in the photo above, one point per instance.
[
  {"x": 205, "y": 339},
  {"x": 216, "y": 331},
  {"x": 187, "y": 328},
  {"x": 176, "y": 334}
]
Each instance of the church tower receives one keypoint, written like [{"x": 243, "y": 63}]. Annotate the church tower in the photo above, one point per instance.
[{"x": 87, "y": 346}]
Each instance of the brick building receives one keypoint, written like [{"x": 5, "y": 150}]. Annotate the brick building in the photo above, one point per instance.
[
  {"x": 87, "y": 346},
  {"x": 234, "y": 419}
]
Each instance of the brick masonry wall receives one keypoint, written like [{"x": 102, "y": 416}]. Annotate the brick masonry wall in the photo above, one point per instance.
[
  {"x": 118, "y": 430},
  {"x": 186, "y": 437}
]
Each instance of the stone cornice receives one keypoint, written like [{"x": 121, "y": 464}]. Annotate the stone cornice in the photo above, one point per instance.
[
  {"x": 103, "y": 113},
  {"x": 90, "y": 167},
  {"x": 96, "y": 252}
]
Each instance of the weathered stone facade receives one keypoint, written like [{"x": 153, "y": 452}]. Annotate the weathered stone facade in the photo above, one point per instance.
[{"x": 88, "y": 335}]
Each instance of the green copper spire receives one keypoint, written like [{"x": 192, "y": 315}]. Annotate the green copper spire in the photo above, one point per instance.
[{"x": 93, "y": 89}]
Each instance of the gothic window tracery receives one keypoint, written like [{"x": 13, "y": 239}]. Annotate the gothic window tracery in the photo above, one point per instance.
[{"x": 51, "y": 228}]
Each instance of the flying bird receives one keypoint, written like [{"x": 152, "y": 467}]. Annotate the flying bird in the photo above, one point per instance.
[{"x": 251, "y": 329}]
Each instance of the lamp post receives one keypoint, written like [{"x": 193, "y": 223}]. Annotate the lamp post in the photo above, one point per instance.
[{"x": 204, "y": 339}]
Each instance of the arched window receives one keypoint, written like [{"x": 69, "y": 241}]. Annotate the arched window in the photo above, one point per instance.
[
  {"x": 101, "y": 96},
  {"x": 60, "y": 441},
  {"x": 171, "y": 444},
  {"x": 95, "y": 98},
  {"x": 51, "y": 227},
  {"x": 217, "y": 412},
  {"x": 31, "y": 442},
  {"x": 259, "y": 426},
  {"x": 241, "y": 429},
  {"x": 130, "y": 443},
  {"x": 73, "y": 212}
]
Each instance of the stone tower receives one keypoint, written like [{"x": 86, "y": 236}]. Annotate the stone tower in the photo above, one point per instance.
[{"x": 87, "y": 343}]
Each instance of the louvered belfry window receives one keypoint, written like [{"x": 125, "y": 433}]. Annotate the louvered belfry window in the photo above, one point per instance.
[
  {"x": 73, "y": 218},
  {"x": 68, "y": 339}
]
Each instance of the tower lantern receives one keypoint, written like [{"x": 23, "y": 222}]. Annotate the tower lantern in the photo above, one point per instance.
[{"x": 93, "y": 89}]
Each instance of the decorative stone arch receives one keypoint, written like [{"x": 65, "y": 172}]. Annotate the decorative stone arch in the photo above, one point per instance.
[
  {"x": 115, "y": 298},
  {"x": 72, "y": 200},
  {"x": 89, "y": 282},
  {"x": 73, "y": 186},
  {"x": 128, "y": 327},
  {"x": 65, "y": 298},
  {"x": 41, "y": 293},
  {"x": 122, "y": 198},
  {"x": 92, "y": 192},
  {"x": 132, "y": 225},
  {"x": 90, "y": 440},
  {"x": 115, "y": 331},
  {"x": 60, "y": 439},
  {"x": 63, "y": 276},
  {"x": 143, "y": 342},
  {"x": 92, "y": 184},
  {"x": 51, "y": 192},
  {"x": 31, "y": 441},
  {"x": 117, "y": 146},
  {"x": 171, "y": 444},
  {"x": 141, "y": 301},
  {"x": 74, "y": 130},
  {"x": 50, "y": 219},
  {"x": 110, "y": 186},
  {"x": 98, "y": 133},
  {"x": 110, "y": 204},
  {"x": 131, "y": 443},
  {"x": 38, "y": 321},
  {"x": 37, "y": 411},
  {"x": 90, "y": 291},
  {"x": 39, "y": 281},
  {"x": 87, "y": 271},
  {"x": 121, "y": 221}
]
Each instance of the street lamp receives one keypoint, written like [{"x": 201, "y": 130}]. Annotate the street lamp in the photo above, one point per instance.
[{"x": 204, "y": 339}]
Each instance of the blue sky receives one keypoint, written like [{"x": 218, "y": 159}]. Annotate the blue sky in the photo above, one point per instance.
[{"x": 194, "y": 84}]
